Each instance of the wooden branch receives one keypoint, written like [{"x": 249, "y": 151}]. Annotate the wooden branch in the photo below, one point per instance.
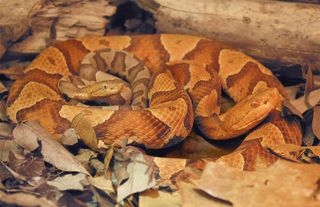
[{"x": 273, "y": 31}]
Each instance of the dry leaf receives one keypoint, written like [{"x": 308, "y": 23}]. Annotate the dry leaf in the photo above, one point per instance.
[
  {"x": 141, "y": 176},
  {"x": 156, "y": 198},
  {"x": 28, "y": 134},
  {"x": 85, "y": 130},
  {"x": 13, "y": 173},
  {"x": 102, "y": 183},
  {"x": 292, "y": 91},
  {"x": 309, "y": 82},
  {"x": 313, "y": 99},
  {"x": 285, "y": 148},
  {"x": 28, "y": 167},
  {"x": 107, "y": 160},
  {"x": 3, "y": 114},
  {"x": 27, "y": 200},
  {"x": 168, "y": 169},
  {"x": 3, "y": 89},
  {"x": 25, "y": 137},
  {"x": 283, "y": 184},
  {"x": 316, "y": 121},
  {"x": 7, "y": 145},
  {"x": 98, "y": 166},
  {"x": 4, "y": 174},
  {"x": 69, "y": 182},
  {"x": 191, "y": 197},
  {"x": 290, "y": 109},
  {"x": 316, "y": 80},
  {"x": 69, "y": 137},
  {"x": 308, "y": 136},
  {"x": 2, "y": 50},
  {"x": 5, "y": 131},
  {"x": 84, "y": 156}
]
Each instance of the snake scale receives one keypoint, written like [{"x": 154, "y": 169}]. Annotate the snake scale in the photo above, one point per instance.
[{"x": 178, "y": 77}]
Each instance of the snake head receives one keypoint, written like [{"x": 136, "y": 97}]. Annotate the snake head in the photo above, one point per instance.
[
  {"x": 251, "y": 111},
  {"x": 103, "y": 89},
  {"x": 90, "y": 90}
]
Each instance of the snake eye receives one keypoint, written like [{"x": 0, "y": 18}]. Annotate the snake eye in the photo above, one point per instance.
[{"x": 105, "y": 87}]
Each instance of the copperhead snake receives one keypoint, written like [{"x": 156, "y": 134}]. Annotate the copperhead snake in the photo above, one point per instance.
[{"x": 179, "y": 77}]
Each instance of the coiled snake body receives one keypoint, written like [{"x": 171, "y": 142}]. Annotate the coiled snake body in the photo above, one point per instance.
[{"x": 178, "y": 76}]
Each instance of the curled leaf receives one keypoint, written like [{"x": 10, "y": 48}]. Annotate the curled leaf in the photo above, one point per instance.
[
  {"x": 28, "y": 134},
  {"x": 85, "y": 130}
]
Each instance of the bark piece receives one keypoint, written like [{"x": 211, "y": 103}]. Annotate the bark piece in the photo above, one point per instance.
[
  {"x": 15, "y": 20},
  {"x": 64, "y": 19}
]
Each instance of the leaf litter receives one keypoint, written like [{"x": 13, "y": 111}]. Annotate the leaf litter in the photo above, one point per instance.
[
  {"x": 186, "y": 175},
  {"x": 36, "y": 170}
]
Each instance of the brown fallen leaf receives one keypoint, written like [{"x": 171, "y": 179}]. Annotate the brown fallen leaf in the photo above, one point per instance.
[
  {"x": 3, "y": 114},
  {"x": 28, "y": 167},
  {"x": 139, "y": 172},
  {"x": 85, "y": 130},
  {"x": 312, "y": 100},
  {"x": 283, "y": 184},
  {"x": 156, "y": 198},
  {"x": 309, "y": 82},
  {"x": 292, "y": 91},
  {"x": 290, "y": 109},
  {"x": 69, "y": 137},
  {"x": 316, "y": 80},
  {"x": 102, "y": 183},
  {"x": 98, "y": 166},
  {"x": 3, "y": 89},
  {"x": 4, "y": 174},
  {"x": 191, "y": 197},
  {"x": 285, "y": 148},
  {"x": 84, "y": 156},
  {"x": 28, "y": 134},
  {"x": 13, "y": 173},
  {"x": 309, "y": 138},
  {"x": 2, "y": 50},
  {"x": 24, "y": 199},
  {"x": 168, "y": 168},
  {"x": 107, "y": 159},
  {"x": 5, "y": 131},
  {"x": 7, "y": 145},
  {"x": 69, "y": 182},
  {"x": 163, "y": 171},
  {"x": 316, "y": 121}
]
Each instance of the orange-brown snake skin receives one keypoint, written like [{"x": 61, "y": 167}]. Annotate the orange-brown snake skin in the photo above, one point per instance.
[{"x": 179, "y": 77}]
